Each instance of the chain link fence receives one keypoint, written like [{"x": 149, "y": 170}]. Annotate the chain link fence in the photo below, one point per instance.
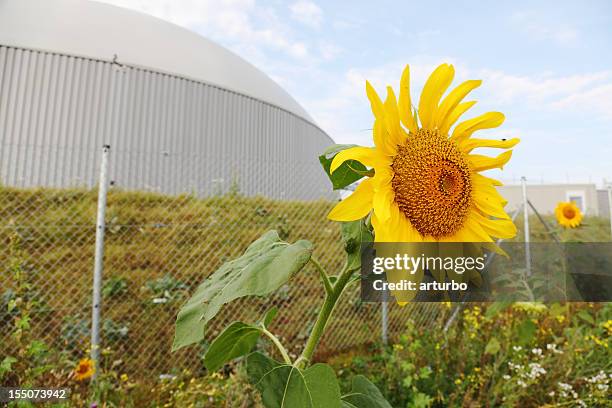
[{"x": 157, "y": 249}]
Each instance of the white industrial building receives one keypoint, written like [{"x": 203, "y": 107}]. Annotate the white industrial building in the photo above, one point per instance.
[
  {"x": 180, "y": 113},
  {"x": 545, "y": 197}
]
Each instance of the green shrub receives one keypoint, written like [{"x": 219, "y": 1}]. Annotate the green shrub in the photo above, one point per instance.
[
  {"x": 525, "y": 355},
  {"x": 114, "y": 287}
]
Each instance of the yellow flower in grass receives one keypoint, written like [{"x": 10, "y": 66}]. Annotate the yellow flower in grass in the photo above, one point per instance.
[
  {"x": 568, "y": 215},
  {"x": 608, "y": 326},
  {"x": 427, "y": 185},
  {"x": 85, "y": 369}
]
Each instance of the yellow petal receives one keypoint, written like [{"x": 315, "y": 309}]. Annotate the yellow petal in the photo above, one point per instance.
[
  {"x": 397, "y": 225},
  {"x": 396, "y": 134},
  {"x": 384, "y": 135},
  {"x": 375, "y": 102},
  {"x": 467, "y": 145},
  {"x": 472, "y": 231},
  {"x": 405, "y": 102},
  {"x": 487, "y": 120},
  {"x": 433, "y": 90},
  {"x": 407, "y": 232},
  {"x": 383, "y": 199},
  {"x": 383, "y": 140},
  {"x": 453, "y": 99},
  {"x": 498, "y": 228},
  {"x": 485, "y": 185},
  {"x": 396, "y": 229},
  {"x": 452, "y": 117},
  {"x": 380, "y": 230},
  {"x": 355, "y": 206},
  {"x": 382, "y": 178},
  {"x": 480, "y": 162},
  {"x": 494, "y": 248},
  {"x": 488, "y": 204},
  {"x": 367, "y": 156},
  {"x": 462, "y": 235},
  {"x": 480, "y": 179}
]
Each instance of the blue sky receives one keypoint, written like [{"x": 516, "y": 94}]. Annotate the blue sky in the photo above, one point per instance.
[{"x": 546, "y": 64}]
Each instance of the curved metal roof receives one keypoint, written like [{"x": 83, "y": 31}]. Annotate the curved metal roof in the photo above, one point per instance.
[{"x": 101, "y": 31}]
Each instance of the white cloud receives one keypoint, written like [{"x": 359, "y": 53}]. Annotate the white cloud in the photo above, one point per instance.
[
  {"x": 240, "y": 24},
  {"x": 307, "y": 12},
  {"x": 590, "y": 92},
  {"x": 344, "y": 112},
  {"x": 341, "y": 25},
  {"x": 540, "y": 87},
  {"x": 597, "y": 99},
  {"x": 538, "y": 27},
  {"x": 329, "y": 50},
  {"x": 193, "y": 13}
]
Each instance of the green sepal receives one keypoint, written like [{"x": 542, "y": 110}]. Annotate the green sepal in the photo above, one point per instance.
[
  {"x": 347, "y": 173},
  {"x": 354, "y": 234}
]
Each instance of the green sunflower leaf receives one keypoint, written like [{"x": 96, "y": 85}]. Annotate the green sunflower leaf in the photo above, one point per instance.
[
  {"x": 349, "y": 172},
  {"x": 267, "y": 264},
  {"x": 364, "y": 394},
  {"x": 354, "y": 234},
  {"x": 287, "y": 386},
  {"x": 269, "y": 316},
  {"x": 237, "y": 340}
]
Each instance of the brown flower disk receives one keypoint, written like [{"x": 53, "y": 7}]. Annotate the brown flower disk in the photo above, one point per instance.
[{"x": 432, "y": 183}]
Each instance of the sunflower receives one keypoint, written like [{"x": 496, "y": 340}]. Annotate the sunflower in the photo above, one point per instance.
[
  {"x": 85, "y": 369},
  {"x": 426, "y": 184},
  {"x": 568, "y": 215}
]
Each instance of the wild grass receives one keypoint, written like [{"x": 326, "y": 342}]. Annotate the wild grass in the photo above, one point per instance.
[{"x": 158, "y": 248}]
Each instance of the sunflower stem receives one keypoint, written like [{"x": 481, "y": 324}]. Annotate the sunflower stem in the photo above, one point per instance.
[
  {"x": 331, "y": 298},
  {"x": 323, "y": 274},
  {"x": 277, "y": 343}
]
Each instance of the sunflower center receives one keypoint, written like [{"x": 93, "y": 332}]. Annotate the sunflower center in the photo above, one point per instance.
[
  {"x": 569, "y": 213},
  {"x": 432, "y": 183}
]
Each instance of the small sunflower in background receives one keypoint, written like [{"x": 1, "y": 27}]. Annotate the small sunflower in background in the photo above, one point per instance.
[
  {"x": 568, "y": 214},
  {"x": 426, "y": 185},
  {"x": 84, "y": 370}
]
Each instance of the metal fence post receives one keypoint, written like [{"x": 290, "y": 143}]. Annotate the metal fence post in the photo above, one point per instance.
[
  {"x": 610, "y": 204},
  {"x": 385, "y": 323},
  {"x": 526, "y": 227},
  {"x": 99, "y": 258}
]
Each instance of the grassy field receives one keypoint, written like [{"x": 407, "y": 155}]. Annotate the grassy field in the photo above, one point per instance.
[
  {"x": 592, "y": 229},
  {"x": 158, "y": 248}
]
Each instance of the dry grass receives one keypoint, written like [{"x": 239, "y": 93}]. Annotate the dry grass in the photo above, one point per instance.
[{"x": 152, "y": 236}]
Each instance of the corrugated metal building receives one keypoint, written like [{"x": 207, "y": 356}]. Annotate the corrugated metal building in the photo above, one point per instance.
[
  {"x": 603, "y": 202},
  {"x": 181, "y": 113}
]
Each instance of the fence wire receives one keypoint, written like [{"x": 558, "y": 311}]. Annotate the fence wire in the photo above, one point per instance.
[{"x": 158, "y": 248}]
